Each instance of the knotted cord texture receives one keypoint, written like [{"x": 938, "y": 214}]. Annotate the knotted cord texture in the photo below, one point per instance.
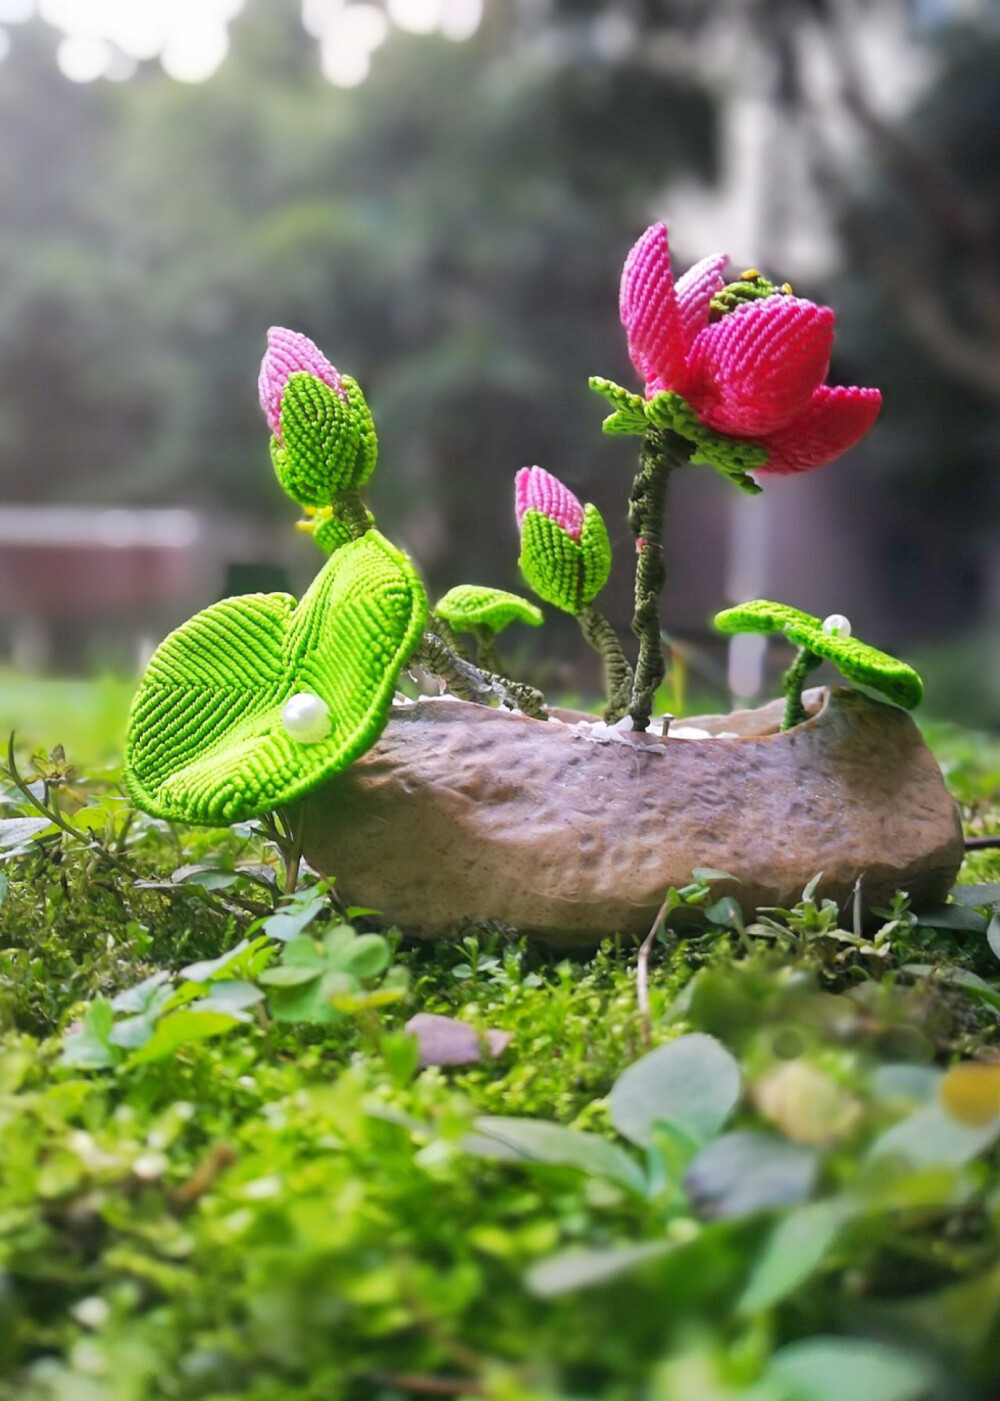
[
  {"x": 865, "y": 665},
  {"x": 327, "y": 443},
  {"x": 754, "y": 373},
  {"x": 205, "y": 739},
  {"x": 565, "y": 572},
  {"x": 538, "y": 490},
  {"x": 470, "y": 606},
  {"x": 289, "y": 352}
]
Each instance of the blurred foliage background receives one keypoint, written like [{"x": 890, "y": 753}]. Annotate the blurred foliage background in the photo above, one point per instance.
[{"x": 450, "y": 225}]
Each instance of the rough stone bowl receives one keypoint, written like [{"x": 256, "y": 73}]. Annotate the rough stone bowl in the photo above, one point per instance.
[{"x": 463, "y": 813}]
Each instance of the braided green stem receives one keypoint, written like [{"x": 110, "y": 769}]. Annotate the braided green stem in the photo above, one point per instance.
[
  {"x": 471, "y": 684},
  {"x": 617, "y": 672},
  {"x": 349, "y": 507},
  {"x": 486, "y": 653},
  {"x": 661, "y": 453},
  {"x": 792, "y": 683},
  {"x": 447, "y": 634}
]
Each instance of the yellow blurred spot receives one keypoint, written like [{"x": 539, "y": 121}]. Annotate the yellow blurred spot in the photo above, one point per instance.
[
  {"x": 306, "y": 526},
  {"x": 806, "y": 1105},
  {"x": 971, "y": 1092},
  {"x": 787, "y": 288},
  {"x": 751, "y": 275}
]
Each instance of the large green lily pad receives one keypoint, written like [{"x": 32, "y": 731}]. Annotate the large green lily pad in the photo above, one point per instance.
[
  {"x": 206, "y": 742},
  {"x": 864, "y": 665}
]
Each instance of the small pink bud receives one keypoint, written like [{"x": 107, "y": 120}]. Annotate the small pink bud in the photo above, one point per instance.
[
  {"x": 537, "y": 490},
  {"x": 289, "y": 353}
]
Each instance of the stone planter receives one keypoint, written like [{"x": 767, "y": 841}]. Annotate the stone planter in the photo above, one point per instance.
[{"x": 465, "y": 813}]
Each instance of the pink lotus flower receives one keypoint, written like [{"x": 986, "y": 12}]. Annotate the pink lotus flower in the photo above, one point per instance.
[
  {"x": 537, "y": 490},
  {"x": 757, "y": 373},
  {"x": 289, "y": 353}
]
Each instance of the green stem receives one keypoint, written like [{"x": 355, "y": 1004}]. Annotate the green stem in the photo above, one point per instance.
[
  {"x": 486, "y": 653},
  {"x": 471, "y": 684},
  {"x": 792, "y": 684},
  {"x": 661, "y": 454},
  {"x": 617, "y": 672},
  {"x": 527, "y": 698},
  {"x": 349, "y": 507},
  {"x": 447, "y": 634}
]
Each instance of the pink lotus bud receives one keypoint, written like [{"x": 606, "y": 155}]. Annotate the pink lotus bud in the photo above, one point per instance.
[
  {"x": 537, "y": 490},
  {"x": 289, "y": 353}
]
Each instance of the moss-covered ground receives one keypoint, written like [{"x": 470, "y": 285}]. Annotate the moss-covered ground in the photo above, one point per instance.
[{"x": 229, "y": 1184}]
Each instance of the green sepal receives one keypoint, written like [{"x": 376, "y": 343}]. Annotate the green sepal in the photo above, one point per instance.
[
  {"x": 595, "y": 549},
  {"x": 470, "y": 606},
  {"x": 206, "y": 743},
  {"x": 866, "y": 666},
  {"x": 550, "y": 562},
  {"x": 328, "y": 531},
  {"x": 629, "y": 409},
  {"x": 565, "y": 572},
  {"x": 734, "y": 458},
  {"x": 328, "y": 442}
]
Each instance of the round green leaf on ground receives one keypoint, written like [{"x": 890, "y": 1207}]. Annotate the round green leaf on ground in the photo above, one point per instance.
[
  {"x": 206, "y": 740},
  {"x": 864, "y": 665}
]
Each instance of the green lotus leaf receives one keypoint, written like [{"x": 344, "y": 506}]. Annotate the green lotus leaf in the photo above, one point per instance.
[
  {"x": 206, "y": 742},
  {"x": 734, "y": 458},
  {"x": 629, "y": 409},
  {"x": 865, "y": 665},
  {"x": 328, "y": 442},
  {"x": 470, "y": 606}
]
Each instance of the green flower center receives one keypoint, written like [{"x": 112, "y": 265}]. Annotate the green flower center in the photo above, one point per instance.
[{"x": 751, "y": 286}]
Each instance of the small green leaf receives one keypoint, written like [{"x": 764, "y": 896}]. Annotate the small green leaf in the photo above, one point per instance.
[
  {"x": 582, "y": 1269},
  {"x": 15, "y": 831},
  {"x": 90, "y": 1048},
  {"x": 959, "y": 917},
  {"x": 469, "y": 606},
  {"x": 705, "y": 875},
  {"x": 629, "y": 416},
  {"x": 179, "y": 1029},
  {"x": 537, "y": 1141},
  {"x": 726, "y": 913},
  {"x": 932, "y": 1138},
  {"x": 848, "y": 1369},
  {"x": 794, "y": 1250},
  {"x": 363, "y": 956},
  {"x": 744, "y": 1172},
  {"x": 289, "y": 923},
  {"x": 993, "y": 934},
  {"x": 692, "y": 1082},
  {"x": 290, "y": 975}
]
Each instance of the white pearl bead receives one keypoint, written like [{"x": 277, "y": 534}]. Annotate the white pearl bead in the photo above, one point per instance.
[
  {"x": 306, "y": 718},
  {"x": 837, "y": 625}
]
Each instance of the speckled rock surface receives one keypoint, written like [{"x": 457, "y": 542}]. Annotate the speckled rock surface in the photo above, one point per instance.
[{"x": 461, "y": 812}]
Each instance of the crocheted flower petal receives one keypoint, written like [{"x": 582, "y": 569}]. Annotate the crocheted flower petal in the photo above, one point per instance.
[
  {"x": 833, "y": 420},
  {"x": 288, "y": 352},
  {"x": 695, "y": 291},
  {"x": 538, "y": 490},
  {"x": 753, "y": 371},
  {"x": 206, "y": 740},
  {"x": 650, "y": 312}
]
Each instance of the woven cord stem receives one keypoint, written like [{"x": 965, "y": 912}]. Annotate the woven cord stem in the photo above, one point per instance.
[
  {"x": 661, "y": 454},
  {"x": 471, "y": 684},
  {"x": 447, "y": 634},
  {"x": 486, "y": 653},
  {"x": 792, "y": 684},
  {"x": 349, "y": 507},
  {"x": 617, "y": 672}
]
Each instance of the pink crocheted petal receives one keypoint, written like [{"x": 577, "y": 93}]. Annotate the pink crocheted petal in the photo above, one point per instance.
[
  {"x": 752, "y": 372},
  {"x": 695, "y": 291},
  {"x": 834, "y": 419},
  {"x": 649, "y": 310},
  {"x": 287, "y": 353},
  {"x": 537, "y": 490}
]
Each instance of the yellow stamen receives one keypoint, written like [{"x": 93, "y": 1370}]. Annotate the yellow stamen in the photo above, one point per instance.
[
  {"x": 751, "y": 275},
  {"x": 787, "y": 288}
]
